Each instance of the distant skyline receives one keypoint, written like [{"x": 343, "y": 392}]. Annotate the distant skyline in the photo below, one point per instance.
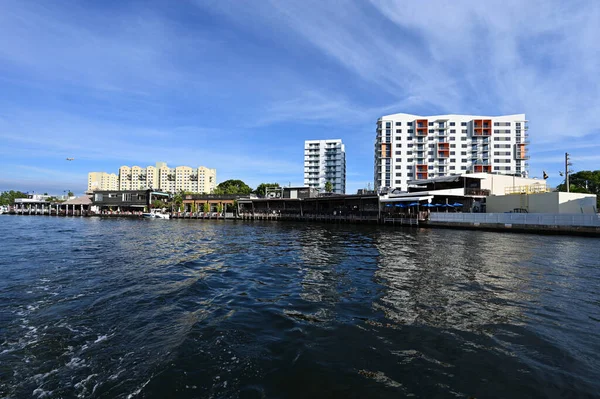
[{"x": 239, "y": 86}]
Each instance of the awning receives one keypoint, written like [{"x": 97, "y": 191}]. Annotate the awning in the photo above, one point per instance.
[
  {"x": 444, "y": 179},
  {"x": 407, "y": 199}
]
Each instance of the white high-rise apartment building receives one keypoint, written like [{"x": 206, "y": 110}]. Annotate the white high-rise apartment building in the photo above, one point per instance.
[
  {"x": 325, "y": 161},
  {"x": 159, "y": 177},
  {"x": 412, "y": 147}
]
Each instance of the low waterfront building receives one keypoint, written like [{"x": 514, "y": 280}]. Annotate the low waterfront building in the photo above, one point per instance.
[
  {"x": 40, "y": 205},
  {"x": 364, "y": 208},
  {"x": 128, "y": 201},
  {"x": 34, "y": 204},
  {"x": 291, "y": 192},
  {"x": 468, "y": 191},
  {"x": 210, "y": 203}
]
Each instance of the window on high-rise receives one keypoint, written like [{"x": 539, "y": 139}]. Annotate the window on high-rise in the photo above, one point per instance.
[{"x": 398, "y": 123}]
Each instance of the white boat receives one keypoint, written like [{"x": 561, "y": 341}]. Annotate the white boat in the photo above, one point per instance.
[{"x": 156, "y": 215}]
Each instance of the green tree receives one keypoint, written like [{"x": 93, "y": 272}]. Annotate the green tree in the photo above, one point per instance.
[
  {"x": 177, "y": 201},
  {"x": 206, "y": 207},
  {"x": 232, "y": 187},
  {"x": 157, "y": 204},
  {"x": 220, "y": 208},
  {"x": 328, "y": 187},
  {"x": 8, "y": 197},
  {"x": 261, "y": 190},
  {"x": 70, "y": 194},
  {"x": 193, "y": 207}
]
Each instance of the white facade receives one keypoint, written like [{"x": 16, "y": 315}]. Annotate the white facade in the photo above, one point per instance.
[
  {"x": 325, "y": 160},
  {"x": 412, "y": 147}
]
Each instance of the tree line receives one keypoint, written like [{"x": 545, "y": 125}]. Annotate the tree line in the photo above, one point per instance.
[{"x": 585, "y": 182}]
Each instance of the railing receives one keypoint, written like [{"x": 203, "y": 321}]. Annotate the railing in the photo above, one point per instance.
[
  {"x": 531, "y": 189},
  {"x": 477, "y": 191},
  {"x": 542, "y": 219}
]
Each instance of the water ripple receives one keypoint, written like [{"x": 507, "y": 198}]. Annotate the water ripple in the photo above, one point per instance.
[{"x": 107, "y": 308}]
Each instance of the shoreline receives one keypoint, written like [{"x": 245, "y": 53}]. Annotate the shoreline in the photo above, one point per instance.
[{"x": 540, "y": 229}]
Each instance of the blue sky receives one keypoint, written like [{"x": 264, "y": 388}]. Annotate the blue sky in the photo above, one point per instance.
[{"x": 239, "y": 85}]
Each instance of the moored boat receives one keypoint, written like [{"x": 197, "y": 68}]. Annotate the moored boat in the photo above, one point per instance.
[{"x": 155, "y": 215}]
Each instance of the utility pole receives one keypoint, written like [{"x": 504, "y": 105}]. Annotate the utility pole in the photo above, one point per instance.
[{"x": 567, "y": 163}]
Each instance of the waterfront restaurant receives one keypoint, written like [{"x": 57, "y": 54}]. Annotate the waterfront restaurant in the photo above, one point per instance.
[
  {"x": 78, "y": 206},
  {"x": 34, "y": 204},
  {"x": 128, "y": 202},
  {"x": 195, "y": 203},
  {"x": 455, "y": 193},
  {"x": 336, "y": 206}
]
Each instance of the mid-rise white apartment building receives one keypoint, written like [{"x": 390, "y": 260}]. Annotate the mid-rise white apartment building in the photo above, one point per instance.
[
  {"x": 325, "y": 161},
  {"x": 102, "y": 181},
  {"x": 160, "y": 177},
  {"x": 413, "y": 147}
]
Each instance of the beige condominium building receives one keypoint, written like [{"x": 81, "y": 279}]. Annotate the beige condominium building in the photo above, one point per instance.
[
  {"x": 161, "y": 177},
  {"x": 102, "y": 181},
  {"x": 414, "y": 147}
]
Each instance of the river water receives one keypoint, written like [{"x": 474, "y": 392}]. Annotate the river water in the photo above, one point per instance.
[{"x": 116, "y": 308}]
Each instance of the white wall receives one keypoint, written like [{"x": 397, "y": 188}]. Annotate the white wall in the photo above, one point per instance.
[
  {"x": 576, "y": 203},
  {"x": 497, "y": 183},
  {"x": 553, "y": 202}
]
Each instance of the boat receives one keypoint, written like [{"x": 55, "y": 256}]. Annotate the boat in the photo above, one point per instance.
[{"x": 155, "y": 215}]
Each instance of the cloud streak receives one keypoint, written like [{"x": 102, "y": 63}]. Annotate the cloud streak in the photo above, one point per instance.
[{"x": 239, "y": 86}]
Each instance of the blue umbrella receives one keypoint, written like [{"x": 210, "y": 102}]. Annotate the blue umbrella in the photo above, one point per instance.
[
  {"x": 401, "y": 205},
  {"x": 457, "y": 204},
  {"x": 413, "y": 204},
  {"x": 429, "y": 206},
  {"x": 447, "y": 206},
  {"x": 388, "y": 204},
  {"x": 436, "y": 205}
]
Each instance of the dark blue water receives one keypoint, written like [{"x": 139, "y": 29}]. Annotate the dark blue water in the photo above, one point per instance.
[{"x": 199, "y": 309}]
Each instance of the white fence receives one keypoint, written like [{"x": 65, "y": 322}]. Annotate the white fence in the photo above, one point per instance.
[{"x": 543, "y": 219}]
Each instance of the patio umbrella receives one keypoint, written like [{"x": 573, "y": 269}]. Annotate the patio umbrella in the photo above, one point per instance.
[
  {"x": 413, "y": 204},
  {"x": 388, "y": 204},
  {"x": 448, "y": 206},
  {"x": 457, "y": 204},
  {"x": 401, "y": 205},
  {"x": 429, "y": 206},
  {"x": 436, "y": 205}
]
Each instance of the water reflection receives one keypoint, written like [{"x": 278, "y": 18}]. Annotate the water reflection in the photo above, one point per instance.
[{"x": 462, "y": 280}]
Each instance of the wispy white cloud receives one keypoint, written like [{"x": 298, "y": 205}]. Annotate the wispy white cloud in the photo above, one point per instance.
[{"x": 310, "y": 66}]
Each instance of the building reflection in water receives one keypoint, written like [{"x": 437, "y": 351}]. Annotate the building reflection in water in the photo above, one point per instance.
[
  {"x": 335, "y": 264},
  {"x": 452, "y": 279}
]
